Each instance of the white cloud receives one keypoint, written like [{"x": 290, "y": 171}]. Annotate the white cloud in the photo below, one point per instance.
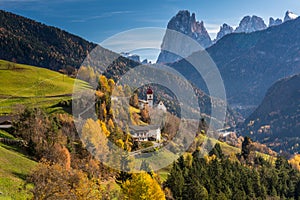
[{"x": 104, "y": 15}]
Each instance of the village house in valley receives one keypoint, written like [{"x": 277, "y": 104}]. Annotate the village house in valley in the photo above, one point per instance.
[
  {"x": 149, "y": 132},
  {"x": 145, "y": 133}
]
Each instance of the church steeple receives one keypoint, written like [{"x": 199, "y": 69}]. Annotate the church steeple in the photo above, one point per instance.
[{"x": 150, "y": 97}]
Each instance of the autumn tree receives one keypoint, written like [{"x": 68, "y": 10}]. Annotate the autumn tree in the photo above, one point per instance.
[
  {"x": 94, "y": 138},
  {"x": 54, "y": 182},
  {"x": 39, "y": 130},
  {"x": 134, "y": 100},
  {"x": 145, "y": 115},
  {"x": 142, "y": 187},
  {"x": 295, "y": 162},
  {"x": 103, "y": 84}
]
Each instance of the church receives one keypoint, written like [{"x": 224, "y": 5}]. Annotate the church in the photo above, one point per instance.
[
  {"x": 149, "y": 132},
  {"x": 149, "y": 102}
]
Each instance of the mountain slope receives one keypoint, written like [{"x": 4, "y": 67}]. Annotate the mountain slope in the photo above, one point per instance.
[
  {"x": 26, "y": 41},
  {"x": 250, "y": 63},
  {"x": 276, "y": 120}
]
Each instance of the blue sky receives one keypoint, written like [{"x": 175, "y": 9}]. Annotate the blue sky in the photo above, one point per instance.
[{"x": 96, "y": 20}]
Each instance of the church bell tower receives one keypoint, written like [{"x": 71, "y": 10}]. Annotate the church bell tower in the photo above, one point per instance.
[{"x": 150, "y": 97}]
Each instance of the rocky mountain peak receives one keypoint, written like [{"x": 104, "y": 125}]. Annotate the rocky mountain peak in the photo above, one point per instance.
[
  {"x": 250, "y": 24},
  {"x": 289, "y": 16},
  {"x": 185, "y": 23},
  {"x": 224, "y": 30},
  {"x": 130, "y": 56},
  {"x": 274, "y": 22}
]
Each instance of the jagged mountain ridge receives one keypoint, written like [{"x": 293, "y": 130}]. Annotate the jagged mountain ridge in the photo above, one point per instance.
[
  {"x": 225, "y": 29},
  {"x": 274, "y": 22},
  {"x": 250, "y": 24},
  {"x": 185, "y": 23},
  {"x": 290, "y": 16},
  {"x": 250, "y": 63}
]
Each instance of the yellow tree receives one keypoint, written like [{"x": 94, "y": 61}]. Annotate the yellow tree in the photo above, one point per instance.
[
  {"x": 295, "y": 162},
  {"x": 53, "y": 182},
  {"x": 103, "y": 84},
  {"x": 142, "y": 187},
  {"x": 111, "y": 84},
  {"x": 94, "y": 138}
]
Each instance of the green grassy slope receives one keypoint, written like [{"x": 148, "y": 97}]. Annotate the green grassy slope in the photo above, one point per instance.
[
  {"x": 14, "y": 167},
  {"x": 30, "y": 86},
  {"x": 23, "y": 84}
]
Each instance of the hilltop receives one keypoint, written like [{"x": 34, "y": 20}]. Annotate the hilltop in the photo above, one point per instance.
[{"x": 26, "y": 41}]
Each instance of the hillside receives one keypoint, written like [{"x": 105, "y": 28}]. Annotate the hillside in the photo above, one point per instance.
[
  {"x": 26, "y": 41},
  {"x": 28, "y": 85},
  {"x": 14, "y": 167},
  {"x": 250, "y": 63},
  {"x": 276, "y": 121}
]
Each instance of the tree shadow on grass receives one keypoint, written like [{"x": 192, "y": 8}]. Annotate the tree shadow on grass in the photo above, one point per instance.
[{"x": 20, "y": 175}]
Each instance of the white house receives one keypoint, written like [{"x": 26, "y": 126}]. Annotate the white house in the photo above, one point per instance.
[
  {"x": 145, "y": 133},
  {"x": 161, "y": 106}
]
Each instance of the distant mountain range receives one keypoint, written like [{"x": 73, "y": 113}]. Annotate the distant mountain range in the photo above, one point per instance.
[
  {"x": 250, "y": 63},
  {"x": 186, "y": 23},
  {"x": 276, "y": 121}
]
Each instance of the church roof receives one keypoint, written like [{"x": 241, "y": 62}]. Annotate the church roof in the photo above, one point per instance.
[{"x": 149, "y": 91}]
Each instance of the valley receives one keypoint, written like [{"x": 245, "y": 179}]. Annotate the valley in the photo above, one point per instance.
[{"x": 78, "y": 121}]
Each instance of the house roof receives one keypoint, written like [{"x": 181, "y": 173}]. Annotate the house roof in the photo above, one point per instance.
[
  {"x": 143, "y": 128},
  {"x": 143, "y": 101},
  {"x": 4, "y": 119}
]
